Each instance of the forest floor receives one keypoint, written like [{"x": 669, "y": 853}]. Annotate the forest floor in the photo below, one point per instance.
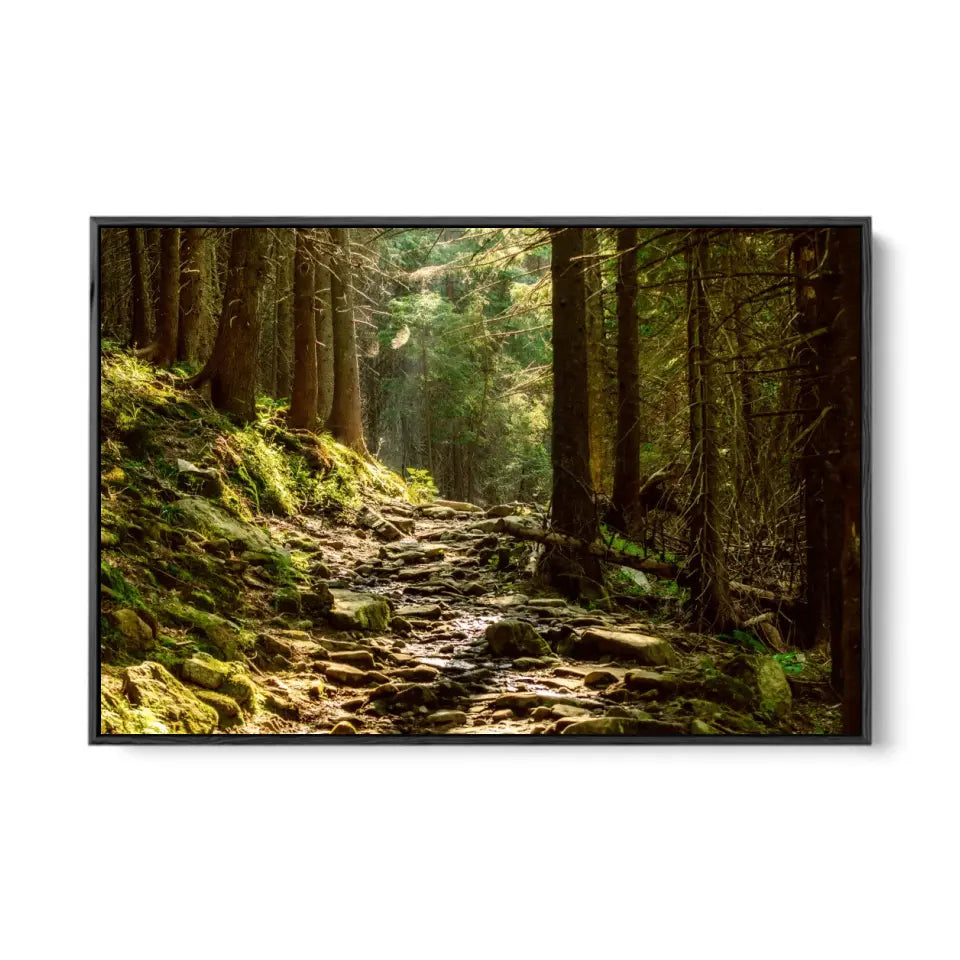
[{"x": 371, "y": 614}]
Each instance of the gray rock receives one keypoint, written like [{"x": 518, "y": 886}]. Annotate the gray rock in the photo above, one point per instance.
[{"x": 515, "y": 638}]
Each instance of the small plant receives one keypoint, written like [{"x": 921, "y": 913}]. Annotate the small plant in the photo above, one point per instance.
[
  {"x": 420, "y": 486},
  {"x": 790, "y": 662}
]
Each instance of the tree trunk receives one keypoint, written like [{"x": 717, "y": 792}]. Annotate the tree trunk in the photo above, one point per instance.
[
  {"x": 303, "y": 404},
  {"x": 626, "y": 475},
  {"x": 232, "y": 367},
  {"x": 843, "y": 290},
  {"x": 601, "y": 427},
  {"x": 573, "y": 509},
  {"x": 169, "y": 308},
  {"x": 713, "y": 609},
  {"x": 284, "y": 314},
  {"x": 345, "y": 422},
  {"x": 324, "y": 315},
  {"x": 820, "y": 494},
  {"x": 140, "y": 330},
  {"x": 194, "y": 309}
]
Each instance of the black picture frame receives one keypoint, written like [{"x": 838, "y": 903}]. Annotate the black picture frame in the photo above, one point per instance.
[{"x": 864, "y": 224}]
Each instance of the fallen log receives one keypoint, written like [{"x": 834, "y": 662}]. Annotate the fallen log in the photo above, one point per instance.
[
  {"x": 523, "y": 531},
  {"x": 767, "y": 599}
]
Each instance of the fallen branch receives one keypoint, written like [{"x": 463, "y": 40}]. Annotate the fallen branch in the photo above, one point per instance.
[
  {"x": 789, "y": 606},
  {"x": 571, "y": 544}
]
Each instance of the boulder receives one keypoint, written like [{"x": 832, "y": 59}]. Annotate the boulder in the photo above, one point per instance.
[
  {"x": 358, "y": 611},
  {"x": 766, "y": 680},
  {"x": 515, "y": 638},
  {"x": 152, "y": 687},
  {"x": 220, "y": 632},
  {"x": 619, "y": 644},
  {"x": 214, "y": 522},
  {"x": 136, "y": 632},
  {"x": 501, "y": 510}
]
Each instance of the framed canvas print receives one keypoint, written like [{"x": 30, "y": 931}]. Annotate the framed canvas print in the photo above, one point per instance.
[{"x": 542, "y": 480}]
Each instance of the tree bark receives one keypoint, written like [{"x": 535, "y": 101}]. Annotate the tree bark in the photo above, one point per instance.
[
  {"x": 845, "y": 463},
  {"x": 140, "y": 330},
  {"x": 284, "y": 314},
  {"x": 303, "y": 403},
  {"x": 193, "y": 298},
  {"x": 626, "y": 475},
  {"x": 706, "y": 575},
  {"x": 573, "y": 508},
  {"x": 169, "y": 302},
  {"x": 601, "y": 426},
  {"x": 232, "y": 367},
  {"x": 345, "y": 423},
  {"x": 324, "y": 315}
]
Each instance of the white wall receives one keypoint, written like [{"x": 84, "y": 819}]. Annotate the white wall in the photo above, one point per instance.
[{"x": 482, "y": 108}]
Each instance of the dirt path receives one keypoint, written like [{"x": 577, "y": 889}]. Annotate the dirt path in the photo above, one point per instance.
[{"x": 433, "y": 669}]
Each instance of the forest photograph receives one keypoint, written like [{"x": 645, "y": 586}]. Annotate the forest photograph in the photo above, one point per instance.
[{"x": 452, "y": 479}]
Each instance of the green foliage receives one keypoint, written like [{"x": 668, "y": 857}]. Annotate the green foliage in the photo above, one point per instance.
[
  {"x": 420, "y": 486},
  {"x": 124, "y": 592},
  {"x": 792, "y": 663}
]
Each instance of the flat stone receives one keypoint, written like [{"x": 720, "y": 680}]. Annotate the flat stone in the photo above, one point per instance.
[
  {"x": 344, "y": 675},
  {"x": 645, "y": 680},
  {"x": 621, "y": 645},
  {"x": 429, "y": 611},
  {"x": 361, "y": 659},
  {"x": 447, "y": 718}
]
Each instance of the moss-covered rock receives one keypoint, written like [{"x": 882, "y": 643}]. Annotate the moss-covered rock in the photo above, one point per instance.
[
  {"x": 216, "y": 523},
  {"x": 221, "y": 633},
  {"x": 136, "y": 632},
  {"x": 358, "y": 611},
  {"x": 768, "y": 683},
  {"x": 150, "y": 686},
  {"x": 205, "y": 671},
  {"x": 228, "y": 710}
]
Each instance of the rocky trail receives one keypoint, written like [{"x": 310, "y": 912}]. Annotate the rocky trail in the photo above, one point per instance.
[{"x": 428, "y": 633}]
